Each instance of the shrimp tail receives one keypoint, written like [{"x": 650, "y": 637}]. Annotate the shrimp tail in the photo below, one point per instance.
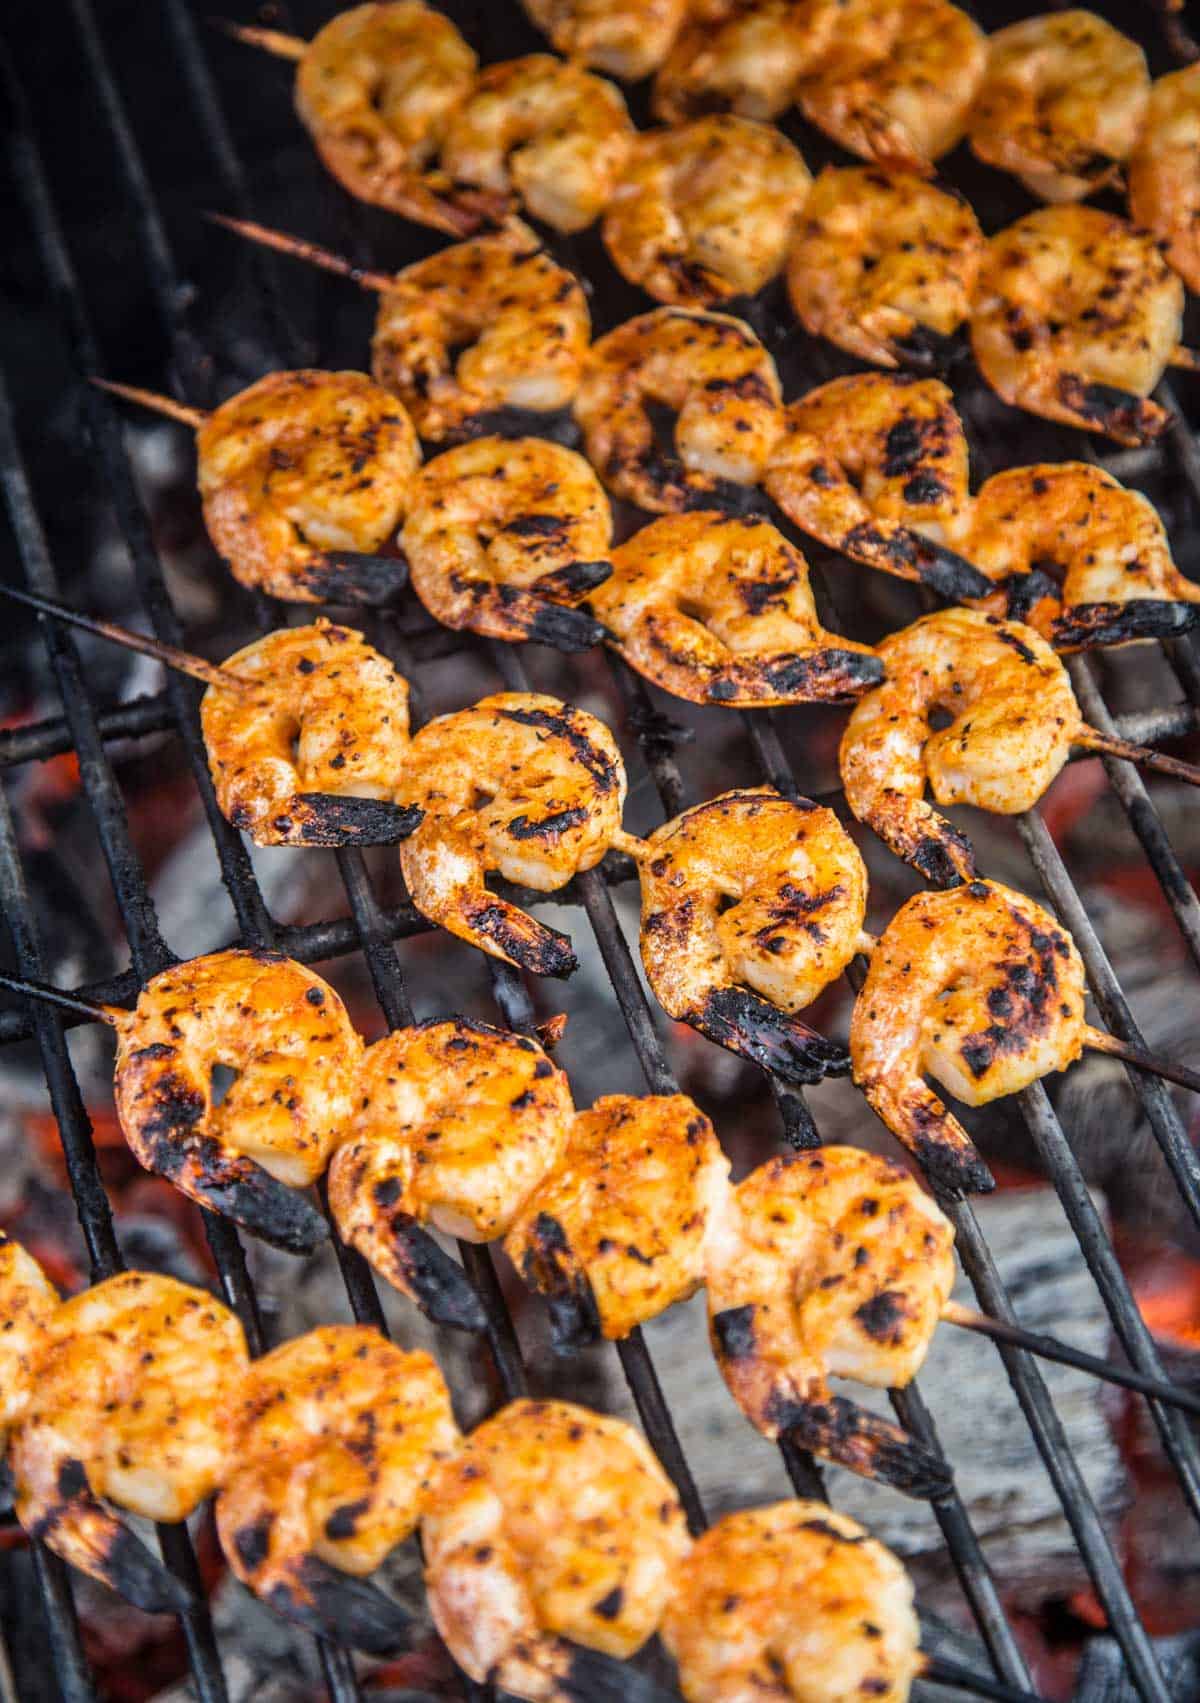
[
  {"x": 335, "y": 819},
  {"x": 734, "y": 1017},
  {"x": 422, "y": 1270},
  {"x": 820, "y": 676},
  {"x": 549, "y": 1266},
  {"x": 348, "y": 576},
  {"x": 923, "y": 837},
  {"x": 338, "y": 1606},
  {"x": 1128, "y": 418},
  {"x": 228, "y": 1183},
  {"x": 855, "y": 1437},
  {"x": 924, "y": 350},
  {"x": 569, "y": 630},
  {"x": 508, "y": 932},
  {"x": 515, "y": 614},
  {"x": 1084, "y": 626},
  {"x": 907, "y": 554},
  {"x": 86, "y": 1534},
  {"x": 568, "y": 584},
  {"x": 939, "y": 1143},
  {"x": 1023, "y": 593}
]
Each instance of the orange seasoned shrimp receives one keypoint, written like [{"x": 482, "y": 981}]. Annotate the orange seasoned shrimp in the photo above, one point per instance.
[
  {"x": 792, "y": 1601},
  {"x": 502, "y": 532},
  {"x": 624, "y": 38},
  {"x": 1084, "y": 560},
  {"x": 875, "y": 465},
  {"x": 489, "y": 324},
  {"x": 376, "y": 89},
  {"x": 551, "y": 1524},
  {"x": 718, "y": 610},
  {"x": 740, "y": 971},
  {"x": 121, "y": 1396},
  {"x": 550, "y": 133},
  {"x": 743, "y": 56},
  {"x": 883, "y": 264},
  {"x": 1060, "y": 104},
  {"x": 288, "y": 1036},
  {"x": 713, "y": 372},
  {"x": 1013, "y": 718},
  {"x": 615, "y": 1233},
  {"x": 1076, "y": 315},
  {"x": 829, "y": 1264},
  {"x": 1164, "y": 171},
  {"x": 706, "y": 210},
  {"x": 519, "y": 783},
  {"x": 310, "y": 755},
  {"x": 980, "y": 989},
  {"x": 897, "y": 80},
  {"x": 301, "y": 467},
  {"x": 336, "y": 1437},
  {"x": 27, "y": 1300},
  {"x": 457, "y": 1124}
]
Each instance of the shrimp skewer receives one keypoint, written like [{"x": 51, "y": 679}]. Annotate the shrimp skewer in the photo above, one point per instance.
[
  {"x": 747, "y": 58},
  {"x": 272, "y": 468},
  {"x": 1164, "y": 171},
  {"x": 485, "y": 327}
]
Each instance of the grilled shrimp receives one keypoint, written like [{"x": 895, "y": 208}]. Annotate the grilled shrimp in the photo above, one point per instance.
[
  {"x": 745, "y": 57},
  {"x": 123, "y": 1398},
  {"x": 550, "y": 133},
  {"x": 1013, "y": 717},
  {"x": 288, "y": 1036},
  {"x": 706, "y": 210},
  {"x": 298, "y": 467},
  {"x": 713, "y": 372},
  {"x": 336, "y": 1438},
  {"x": 827, "y": 1264},
  {"x": 875, "y": 465},
  {"x": 457, "y": 1124},
  {"x": 897, "y": 81},
  {"x": 1076, "y": 314},
  {"x": 519, "y": 783},
  {"x": 1032, "y": 527},
  {"x": 485, "y": 325},
  {"x": 502, "y": 532},
  {"x": 718, "y": 610},
  {"x": 739, "y": 971},
  {"x": 884, "y": 264},
  {"x": 1164, "y": 171},
  {"x": 310, "y": 756},
  {"x": 978, "y": 988},
  {"x": 27, "y": 1300},
  {"x": 551, "y": 1524},
  {"x": 792, "y": 1601},
  {"x": 376, "y": 88},
  {"x": 628, "y": 39},
  {"x": 615, "y": 1233},
  {"x": 1060, "y": 104}
]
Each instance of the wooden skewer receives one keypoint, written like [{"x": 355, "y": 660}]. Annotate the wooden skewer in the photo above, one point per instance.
[
  {"x": 181, "y": 660},
  {"x": 194, "y": 417},
  {"x": 113, "y": 1015},
  {"x": 300, "y": 249},
  {"x": 1100, "y": 1041},
  {"x": 1105, "y": 745},
  {"x": 630, "y": 845},
  {"x": 1050, "y": 1348},
  {"x": 283, "y": 46}
]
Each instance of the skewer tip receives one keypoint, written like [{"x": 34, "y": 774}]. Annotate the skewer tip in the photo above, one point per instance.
[
  {"x": 276, "y": 42},
  {"x": 152, "y": 399}
]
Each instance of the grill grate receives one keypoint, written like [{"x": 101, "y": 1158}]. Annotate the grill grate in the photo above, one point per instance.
[{"x": 372, "y": 930}]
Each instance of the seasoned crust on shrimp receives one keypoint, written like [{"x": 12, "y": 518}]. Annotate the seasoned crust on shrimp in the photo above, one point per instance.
[
  {"x": 337, "y": 1437},
  {"x": 614, "y": 1234},
  {"x": 705, "y": 210},
  {"x": 521, "y": 784},
  {"x": 1164, "y": 171},
  {"x": 719, "y": 610},
  {"x": 739, "y": 972},
  {"x": 1013, "y": 718},
  {"x": 297, "y": 1055},
  {"x": 375, "y": 89},
  {"x": 897, "y": 80},
  {"x": 1080, "y": 556},
  {"x": 299, "y": 466},
  {"x": 977, "y": 987},
  {"x": 550, "y": 133},
  {"x": 883, "y": 264},
  {"x": 1060, "y": 104},
  {"x": 502, "y": 532},
  {"x": 1076, "y": 315},
  {"x": 551, "y": 1523},
  {"x": 712, "y": 371},
  {"x": 312, "y": 756},
  {"x": 523, "y": 318},
  {"x": 623, "y": 38},
  {"x": 793, "y": 1601},
  {"x": 27, "y": 1301},
  {"x": 745, "y": 57}
]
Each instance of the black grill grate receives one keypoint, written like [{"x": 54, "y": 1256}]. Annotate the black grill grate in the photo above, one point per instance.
[{"x": 372, "y": 930}]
